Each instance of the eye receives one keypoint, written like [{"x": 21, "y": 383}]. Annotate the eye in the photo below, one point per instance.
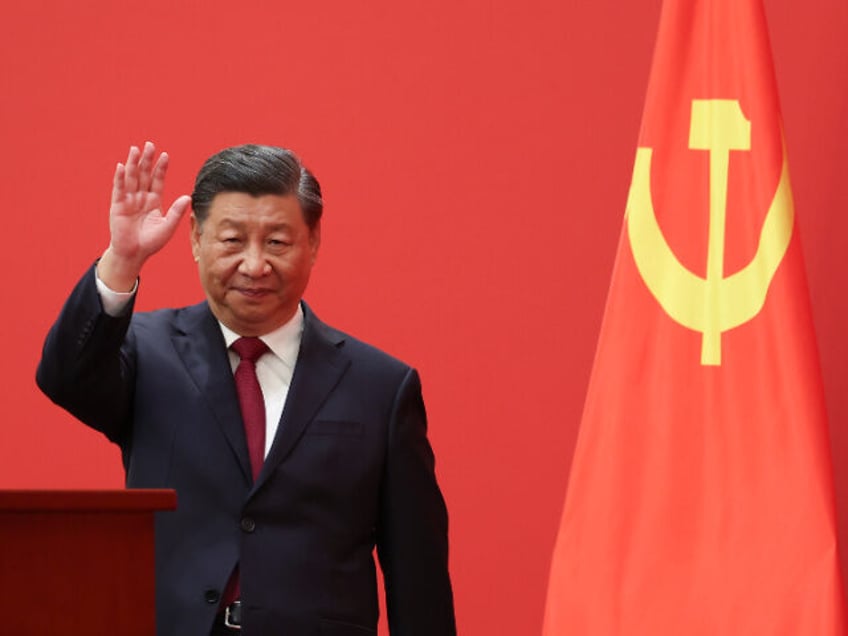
[{"x": 277, "y": 242}]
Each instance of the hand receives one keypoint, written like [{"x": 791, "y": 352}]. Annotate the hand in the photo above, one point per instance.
[{"x": 138, "y": 226}]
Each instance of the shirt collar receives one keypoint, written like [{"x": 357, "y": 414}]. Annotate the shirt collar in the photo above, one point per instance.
[{"x": 284, "y": 341}]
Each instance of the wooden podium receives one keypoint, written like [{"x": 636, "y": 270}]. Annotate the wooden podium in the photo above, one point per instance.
[{"x": 79, "y": 562}]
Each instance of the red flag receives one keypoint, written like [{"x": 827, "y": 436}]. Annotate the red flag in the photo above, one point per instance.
[{"x": 700, "y": 500}]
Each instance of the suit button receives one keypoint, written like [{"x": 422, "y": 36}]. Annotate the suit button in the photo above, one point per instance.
[
  {"x": 248, "y": 524},
  {"x": 211, "y": 596}
]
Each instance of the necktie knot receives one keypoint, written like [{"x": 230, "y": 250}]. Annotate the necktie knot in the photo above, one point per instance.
[{"x": 249, "y": 349}]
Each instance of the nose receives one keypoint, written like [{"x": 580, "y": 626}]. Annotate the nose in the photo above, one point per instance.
[{"x": 253, "y": 262}]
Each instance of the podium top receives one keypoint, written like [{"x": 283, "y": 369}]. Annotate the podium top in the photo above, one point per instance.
[{"x": 130, "y": 500}]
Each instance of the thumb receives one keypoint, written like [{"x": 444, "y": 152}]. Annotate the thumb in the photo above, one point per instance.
[{"x": 178, "y": 209}]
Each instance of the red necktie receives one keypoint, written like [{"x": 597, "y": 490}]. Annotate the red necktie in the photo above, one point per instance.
[
  {"x": 252, "y": 407},
  {"x": 250, "y": 399}
]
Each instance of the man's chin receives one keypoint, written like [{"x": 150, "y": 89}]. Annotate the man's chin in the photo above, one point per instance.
[{"x": 257, "y": 323}]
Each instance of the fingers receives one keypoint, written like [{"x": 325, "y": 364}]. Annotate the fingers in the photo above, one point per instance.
[
  {"x": 158, "y": 178},
  {"x": 140, "y": 174},
  {"x": 144, "y": 167},
  {"x": 118, "y": 187},
  {"x": 131, "y": 171}
]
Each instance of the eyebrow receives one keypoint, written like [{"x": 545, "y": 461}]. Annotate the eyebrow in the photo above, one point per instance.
[{"x": 276, "y": 227}]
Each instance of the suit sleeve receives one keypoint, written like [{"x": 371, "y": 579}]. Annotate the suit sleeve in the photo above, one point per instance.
[
  {"x": 412, "y": 537},
  {"x": 83, "y": 366}
]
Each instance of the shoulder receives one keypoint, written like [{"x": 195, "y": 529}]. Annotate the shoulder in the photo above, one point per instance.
[
  {"x": 176, "y": 319},
  {"x": 359, "y": 351}
]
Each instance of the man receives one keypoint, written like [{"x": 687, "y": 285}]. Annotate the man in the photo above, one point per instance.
[{"x": 274, "y": 535}]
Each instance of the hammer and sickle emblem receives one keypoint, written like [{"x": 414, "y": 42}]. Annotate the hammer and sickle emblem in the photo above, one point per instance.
[{"x": 714, "y": 304}]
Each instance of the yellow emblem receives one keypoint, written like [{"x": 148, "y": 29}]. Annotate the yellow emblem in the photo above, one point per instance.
[{"x": 717, "y": 303}]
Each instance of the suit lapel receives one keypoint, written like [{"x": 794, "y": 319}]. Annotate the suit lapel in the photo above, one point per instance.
[
  {"x": 200, "y": 343},
  {"x": 320, "y": 365}
]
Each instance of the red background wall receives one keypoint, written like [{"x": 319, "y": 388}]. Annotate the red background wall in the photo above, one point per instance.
[{"x": 475, "y": 157}]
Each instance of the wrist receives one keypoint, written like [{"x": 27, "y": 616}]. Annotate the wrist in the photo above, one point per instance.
[{"x": 118, "y": 273}]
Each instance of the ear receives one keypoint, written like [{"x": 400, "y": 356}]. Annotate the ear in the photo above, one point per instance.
[
  {"x": 195, "y": 237},
  {"x": 315, "y": 240}
]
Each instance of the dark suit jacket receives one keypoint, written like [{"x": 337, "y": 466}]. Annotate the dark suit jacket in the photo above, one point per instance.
[{"x": 350, "y": 468}]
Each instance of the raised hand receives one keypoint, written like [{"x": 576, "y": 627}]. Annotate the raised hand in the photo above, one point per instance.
[{"x": 139, "y": 227}]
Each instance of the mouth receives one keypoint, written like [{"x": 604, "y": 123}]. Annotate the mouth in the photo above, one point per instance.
[{"x": 253, "y": 292}]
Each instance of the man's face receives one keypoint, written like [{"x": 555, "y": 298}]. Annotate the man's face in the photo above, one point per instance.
[{"x": 254, "y": 256}]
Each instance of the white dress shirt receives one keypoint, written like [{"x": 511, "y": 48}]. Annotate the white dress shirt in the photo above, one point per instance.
[{"x": 274, "y": 369}]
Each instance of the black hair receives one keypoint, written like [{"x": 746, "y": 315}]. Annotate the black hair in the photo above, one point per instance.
[{"x": 257, "y": 170}]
